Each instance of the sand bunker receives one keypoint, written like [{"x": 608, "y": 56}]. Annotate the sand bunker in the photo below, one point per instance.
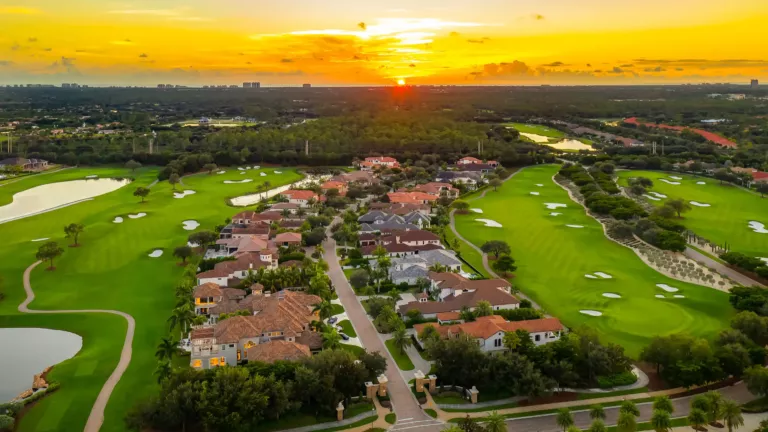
[
  {"x": 92, "y": 176},
  {"x": 604, "y": 275},
  {"x": 240, "y": 169},
  {"x": 534, "y": 193},
  {"x": 659, "y": 296},
  {"x": 248, "y": 168},
  {"x": 675, "y": 178},
  {"x": 263, "y": 174},
  {"x": 278, "y": 172},
  {"x": 553, "y": 206},
  {"x": 570, "y": 144},
  {"x": 41, "y": 239},
  {"x": 117, "y": 219},
  {"x": 667, "y": 288},
  {"x": 476, "y": 210},
  {"x": 137, "y": 215},
  {"x": 555, "y": 214},
  {"x": 489, "y": 223},
  {"x": 764, "y": 259},
  {"x": 535, "y": 137},
  {"x": 242, "y": 172},
  {"x": 658, "y": 195},
  {"x": 701, "y": 182},
  {"x": 651, "y": 197},
  {"x": 590, "y": 276},
  {"x": 183, "y": 194},
  {"x": 539, "y": 185},
  {"x": 157, "y": 253},
  {"x": 575, "y": 226},
  {"x": 189, "y": 225},
  {"x": 257, "y": 167},
  {"x": 611, "y": 295},
  {"x": 678, "y": 296},
  {"x": 591, "y": 312},
  {"x": 698, "y": 204},
  {"x": 758, "y": 227},
  {"x": 221, "y": 172},
  {"x": 670, "y": 182},
  {"x": 238, "y": 181}
]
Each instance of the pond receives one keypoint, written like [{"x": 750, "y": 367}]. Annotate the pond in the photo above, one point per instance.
[
  {"x": 51, "y": 196},
  {"x": 33, "y": 349}
]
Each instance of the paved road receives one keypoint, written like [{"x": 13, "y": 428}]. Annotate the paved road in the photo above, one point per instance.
[
  {"x": 96, "y": 417},
  {"x": 546, "y": 422},
  {"x": 409, "y": 412},
  {"x": 721, "y": 268}
]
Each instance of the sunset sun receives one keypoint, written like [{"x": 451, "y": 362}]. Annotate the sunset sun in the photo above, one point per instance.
[{"x": 401, "y": 82}]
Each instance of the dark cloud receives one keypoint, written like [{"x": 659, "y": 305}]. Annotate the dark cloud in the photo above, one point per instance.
[
  {"x": 286, "y": 60},
  {"x": 362, "y": 25},
  {"x": 68, "y": 61},
  {"x": 476, "y": 41},
  {"x": 47, "y": 49},
  {"x": 143, "y": 55},
  {"x": 598, "y": 70},
  {"x": 538, "y": 17},
  {"x": 555, "y": 64},
  {"x": 616, "y": 70},
  {"x": 628, "y": 65},
  {"x": 15, "y": 46},
  {"x": 5, "y": 62},
  {"x": 32, "y": 40},
  {"x": 516, "y": 68},
  {"x": 679, "y": 69},
  {"x": 656, "y": 69},
  {"x": 412, "y": 65},
  {"x": 453, "y": 34},
  {"x": 589, "y": 65}
]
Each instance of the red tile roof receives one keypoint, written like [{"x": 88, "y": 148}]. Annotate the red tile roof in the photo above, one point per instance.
[
  {"x": 275, "y": 350},
  {"x": 410, "y": 197},
  {"x": 487, "y": 326},
  {"x": 300, "y": 194},
  {"x": 289, "y": 237}
]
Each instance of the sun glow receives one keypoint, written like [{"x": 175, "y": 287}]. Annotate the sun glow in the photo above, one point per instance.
[{"x": 401, "y": 82}]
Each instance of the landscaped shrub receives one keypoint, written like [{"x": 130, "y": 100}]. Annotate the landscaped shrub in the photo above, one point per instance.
[
  {"x": 622, "y": 379},
  {"x": 293, "y": 256},
  {"x": 208, "y": 264},
  {"x": 6, "y": 423},
  {"x": 741, "y": 260},
  {"x": 520, "y": 314}
]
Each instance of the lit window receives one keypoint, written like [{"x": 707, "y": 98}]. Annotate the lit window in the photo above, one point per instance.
[
  {"x": 197, "y": 363},
  {"x": 213, "y": 361},
  {"x": 223, "y": 360},
  {"x": 249, "y": 344}
]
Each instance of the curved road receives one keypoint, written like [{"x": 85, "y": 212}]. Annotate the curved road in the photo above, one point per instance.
[{"x": 96, "y": 417}]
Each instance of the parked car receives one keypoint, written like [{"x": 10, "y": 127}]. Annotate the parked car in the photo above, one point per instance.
[
  {"x": 343, "y": 336},
  {"x": 332, "y": 320}
]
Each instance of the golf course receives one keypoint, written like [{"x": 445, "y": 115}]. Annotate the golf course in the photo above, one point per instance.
[
  {"x": 725, "y": 220},
  {"x": 568, "y": 266},
  {"x": 111, "y": 269}
]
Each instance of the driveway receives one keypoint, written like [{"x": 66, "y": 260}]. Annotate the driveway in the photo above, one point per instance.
[{"x": 720, "y": 268}]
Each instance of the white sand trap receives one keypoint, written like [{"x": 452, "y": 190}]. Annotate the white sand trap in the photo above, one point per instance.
[
  {"x": 539, "y": 185},
  {"x": 678, "y": 296},
  {"x": 257, "y": 167},
  {"x": 157, "y": 253},
  {"x": 263, "y": 174},
  {"x": 92, "y": 176},
  {"x": 180, "y": 195},
  {"x": 535, "y": 137},
  {"x": 238, "y": 181},
  {"x": 117, "y": 219},
  {"x": 41, "y": 239},
  {"x": 193, "y": 245},
  {"x": 242, "y": 172},
  {"x": 534, "y": 193},
  {"x": 189, "y": 225},
  {"x": 658, "y": 195},
  {"x": 667, "y": 288},
  {"x": 591, "y": 312},
  {"x": 590, "y": 276},
  {"x": 575, "y": 226},
  {"x": 611, "y": 295},
  {"x": 758, "y": 227},
  {"x": 659, "y": 296},
  {"x": 553, "y": 206},
  {"x": 221, "y": 172},
  {"x": 675, "y": 178},
  {"x": 604, "y": 275},
  {"x": 670, "y": 182},
  {"x": 278, "y": 172},
  {"x": 476, "y": 210},
  {"x": 248, "y": 168},
  {"x": 240, "y": 169},
  {"x": 698, "y": 204},
  {"x": 701, "y": 182},
  {"x": 653, "y": 198},
  {"x": 764, "y": 259},
  {"x": 555, "y": 214},
  {"x": 137, "y": 215},
  {"x": 489, "y": 223}
]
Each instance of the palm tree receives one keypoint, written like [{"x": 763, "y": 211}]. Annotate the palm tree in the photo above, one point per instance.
[
  {"x": 663, "y": 403},
  {"x": 697, "y": 418},
  {"x": 495, "y": 422},
  {"x": 661, "y": 421},
  {"x": 331, "y": 339},
  {"x": 324, "y": 309},
  {"x": 564, "y": 418},
  {"x": 730, "y": 412},
  {"x": 629, "y": 407},
  {"x": 394, "y": 294},
  {"x": 626, "y": 422},
  {"x": 181, "y": 317},
  {"x": 401, "y": 340},
  {"x": 574, "y": 429},
  {"x": 596, "y": 412},
  {"x": 597, "y": 426},
  {"x": 163, "y": 371},
  {"x": 166, "y": 349},
  {"x": 715, "y": 400}
]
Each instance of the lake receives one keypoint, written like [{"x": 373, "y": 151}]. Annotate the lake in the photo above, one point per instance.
[
  {"x": 47, "y": 197},
  {"x": 27, "y": 351}
]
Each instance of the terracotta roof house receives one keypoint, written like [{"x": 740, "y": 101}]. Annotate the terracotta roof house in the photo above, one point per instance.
[
  {"x": 411, "y": 238},
  {"x": 281, "y": 317},
  {"x": 464, "y": 293},
  {"x": 468, "y": 178},
  {"x": 760, "y": 177},
  {"x": 251, "y": 217},
  {"x": 438, "y": 189},
  {"x": 278, "y": 350},
  {"x": 482, "y": 168},
  {"x": 300, "y": 197},
  {"x": 489, "y": 330},
  {"x": 378, "y": 161},
  {"x": 288, "y": 239},
  {"x": 223, "y": 272},
  {"x": 468, "y": 160},
  {"x": 209, "y": 295},
  {"x": 239, "y": 244},
  {"x": 411, "y": 198},
  {"x": 340, "y": 186},
  {"x": 365, "y": 178},
  {"x": 279, "y": 207}
]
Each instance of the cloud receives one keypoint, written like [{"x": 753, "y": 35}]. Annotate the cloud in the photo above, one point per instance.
[
  {"x": 454, "y": 34},
  {"x": 18, "y": 10},
  {"x": 656, "y": 69},
  {"x": 5, "y": 62},
  {"x": 122, "y": 42},
  {"x": 189, "y": 18},
  {"x": 412, "y": 65},
  {"x": 362, "y": 25},
  {"x": 32, "y": 39},
  {"x": 556, "y": 64},
  {"x": 286, "y": 60},
  {"x": 538, "y": 17},
  {"x": 476, "y": 41},
  {"x": 589, "y": 65},
  {"x": 679, "y": 69},
  {"x": 629, "y": 65},
  {"x": 15, "y": 46},
  {"x": 507, "y": 69},
  {"x": 616, "y": 70},
  {"x": 68, "y": 61},
  {"x": 47, "y": 49},
  {"x": 150, "y": 12},
  {"x": 143, "y": 55}
]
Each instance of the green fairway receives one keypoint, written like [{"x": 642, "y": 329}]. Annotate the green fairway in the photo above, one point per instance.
[
  {"x": 553, "y": 260},
  {"x": 111, "y": 270},
  {"x": 725, "y": 221},
  {"x": 553, "y": 134}
]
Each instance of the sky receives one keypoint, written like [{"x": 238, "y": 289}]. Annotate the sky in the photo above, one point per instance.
[{"x": 364, "y": 42}]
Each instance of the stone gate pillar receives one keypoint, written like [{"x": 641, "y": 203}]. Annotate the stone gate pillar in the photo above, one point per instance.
[{"x": 382, "y": 385}]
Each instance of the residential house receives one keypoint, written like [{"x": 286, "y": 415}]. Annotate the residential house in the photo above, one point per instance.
[
  {"x": 397, "y": 249},
  {"x": 467, "y": 178},
  {"x": 282, "y": 319},
  {"x": 286, "y": 239},
  {"x": 363, "y": 178},
  {"x": 457, "y": 293},
  {"x": 482, "y": 168},
  {"x": 25, "y": 164},
  {"x": 230, "y": 273},
  {"x": 339, "y": 186},
  {"x": 411, "y": 198},
  {"x": 250, "y": 217},
  {"x": 300, "y": 197},
  {"x": 489, "y": 331},
  {"x": 411, "y": 268},
  {"x": 378, "y": 161},
  {"x": 468, "y": 160},
  {"x": 401, "y": 209},
  {"x": 210, "y": 294},
  {"x": 239, "y": 244},
  {"x": 292, "y": 208},
  {"x": 438, "y": 189},
  {"x": 378, "y": 217}
]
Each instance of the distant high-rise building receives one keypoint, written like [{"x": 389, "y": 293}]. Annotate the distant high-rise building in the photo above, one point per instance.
[
  {"x": 65, "y": 85},
  {"x": 754, "y": 83},
  {"x": 306, "y": 85},
  {"x": 161, "y": 86},
  {"x": 246, "y": 85},
  {"x": 256, "y": 85}
]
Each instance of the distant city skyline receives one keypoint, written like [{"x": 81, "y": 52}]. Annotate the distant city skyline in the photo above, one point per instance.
[{"x": 345, "y": 42}]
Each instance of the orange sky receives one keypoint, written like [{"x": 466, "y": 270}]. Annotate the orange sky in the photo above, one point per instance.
[{"x": 346, "y": 42}]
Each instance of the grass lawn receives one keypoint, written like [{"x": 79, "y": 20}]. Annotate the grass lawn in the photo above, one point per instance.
[
  {"x": 354, "y": 349},
  {"x": 347, "y": 328},
  {"x": 726, "y": 221},
  {"x": 111, "y": 270},
  {"x": 543, "y": 130},
  {"x": 390, "y": 418},
  {"x": 430, "y": 412},
  {"x": 403, "y": 361},
  {"x": 542, "y": 243},
  {"x": 468, "y": 254},
  {"x": 336, "y": 309}
]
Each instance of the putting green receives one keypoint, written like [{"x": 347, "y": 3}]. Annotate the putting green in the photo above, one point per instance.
[
  {"x": 111, "y": 270},
  {"x": 553, "y": 260},
  {"x": 726, "y": 220}
]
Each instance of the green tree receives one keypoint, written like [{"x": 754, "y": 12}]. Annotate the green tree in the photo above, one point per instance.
[
  {"x": 596, "y": 412},
  {"x": 495, "y": 422},
  {"x": 663, "y": 403},
  {"x": 183, "y": 252},
  {"x": 324, "y": 309},
  {"x": 203, "y": 238},
  {"x": 429, "y": 334},
  {"x": 48, "y": 252},
  {"x": 174, "y": 179},
  {"x": 756, "y": 378},
  {"x": 461, "y": 206},
  {"x": 73, "y": 231},
  {"x": 401, "y": 339},
  {"x": 564, "y": 418},
  {"x": 331, "y": 339},
  {"x": 730, "y": 412},
  {"x": 679, "y": 205},
  {"x": 495, "y": 184},
  {"x": 182, "y": 318},
  {"x": 505, "y": 264},
  {"x": 6, "y": 422},
  {"x": 166, "y": 349},
  {"x": 629, "y": 407},
  {"x": 483, "y": 308},
  {"x": 496, "y": 247},
  {"x": 626, "y": 422},
  {"x": 163, "y": 371},
  {"x": 661, "y": 421},
  {"x": 132, "y": 165},
  {"x": 697, "y": 419},
  {"x": 762, "y": 187},
  {"x": 141, "y": 192},
  {"x": 210, "y": 167},
  {"x": 359, "y": 278},
  {"x": 597, "y": 426},
  {"x": 715, "y": 400}
]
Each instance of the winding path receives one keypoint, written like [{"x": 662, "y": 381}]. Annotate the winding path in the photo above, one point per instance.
[{"x": 96, "y": 417}]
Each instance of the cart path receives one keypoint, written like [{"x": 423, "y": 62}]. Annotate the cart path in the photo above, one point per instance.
[{"x": 96, "y": 417}]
